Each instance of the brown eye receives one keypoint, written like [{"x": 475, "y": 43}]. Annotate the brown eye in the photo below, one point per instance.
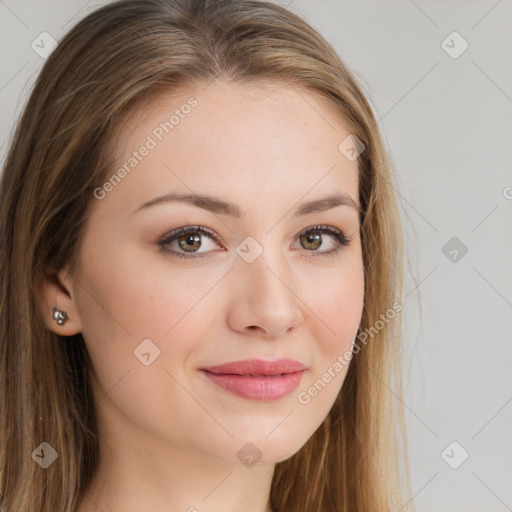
[
  {"x": 189, "y": 241},
  {"x": 313, "y": 238},
  {"x": 185, "y": 242},
  {"x": 312, "y": 241}
]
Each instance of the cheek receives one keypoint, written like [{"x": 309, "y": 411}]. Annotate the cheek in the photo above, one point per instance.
[
  {"x": 335, "y": 307},
  {"x": 140, "y": 292},
  {"x": 335, "y": 300},
  {"x": 125, "y": 306},
  {"x": 129, "y": 299}
]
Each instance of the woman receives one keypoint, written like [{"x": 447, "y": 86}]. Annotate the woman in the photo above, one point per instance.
[{"x": 201, "y": 273}]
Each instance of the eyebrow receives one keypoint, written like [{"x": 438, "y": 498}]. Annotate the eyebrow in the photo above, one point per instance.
[{"x": 218, "y": 206}]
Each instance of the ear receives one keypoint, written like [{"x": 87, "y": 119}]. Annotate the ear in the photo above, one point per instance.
[{"x": 57, "y": 291}]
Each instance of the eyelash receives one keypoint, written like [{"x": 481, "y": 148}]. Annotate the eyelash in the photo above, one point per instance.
[{"x": 341, "y": 240}]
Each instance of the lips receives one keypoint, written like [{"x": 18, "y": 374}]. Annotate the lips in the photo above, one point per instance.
[
  {"x": 257, "y": 367},
  {"x": 256, "y": 379}
]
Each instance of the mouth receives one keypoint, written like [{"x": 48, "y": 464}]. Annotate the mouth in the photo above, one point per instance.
[
  {"x": 256, "y": 379},
  {"x": 257, "y": 367}
]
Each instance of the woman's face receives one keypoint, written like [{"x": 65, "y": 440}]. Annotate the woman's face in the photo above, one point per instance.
[{"x": 156, "y": 308}]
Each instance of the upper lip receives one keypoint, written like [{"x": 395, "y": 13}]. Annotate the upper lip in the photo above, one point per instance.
[{"x": 257, "y": 367}]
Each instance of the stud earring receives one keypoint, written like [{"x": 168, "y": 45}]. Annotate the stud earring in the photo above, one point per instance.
[{"x": 59, "y": 316}]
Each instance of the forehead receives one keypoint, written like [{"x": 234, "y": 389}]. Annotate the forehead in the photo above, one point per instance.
[{"x": 265, "y": 140}]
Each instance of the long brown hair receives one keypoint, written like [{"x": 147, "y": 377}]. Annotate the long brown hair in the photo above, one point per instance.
[{"x": 121, "y": 54}]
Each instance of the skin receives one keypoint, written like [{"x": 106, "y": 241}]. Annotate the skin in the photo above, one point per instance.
[{"x": 169, "y": 436}]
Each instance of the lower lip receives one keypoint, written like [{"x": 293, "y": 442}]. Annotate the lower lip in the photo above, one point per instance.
[{"x": 262, "y": 389}]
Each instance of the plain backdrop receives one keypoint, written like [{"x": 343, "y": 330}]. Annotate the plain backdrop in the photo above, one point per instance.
[{"x": 439, "y": 78}]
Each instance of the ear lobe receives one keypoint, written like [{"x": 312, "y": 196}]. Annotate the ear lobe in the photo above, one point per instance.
[{"x": 56, "y": 291}]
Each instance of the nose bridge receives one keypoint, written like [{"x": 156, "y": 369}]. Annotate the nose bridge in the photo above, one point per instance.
[
  {"x": 265, "y": 265},
  {"x": 265, "y": 295}
]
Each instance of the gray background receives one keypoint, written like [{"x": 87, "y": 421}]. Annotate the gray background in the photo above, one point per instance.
[{"x": 447, "y": 124}]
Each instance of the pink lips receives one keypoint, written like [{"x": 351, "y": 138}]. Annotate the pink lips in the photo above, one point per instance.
[{"x": 255, "y": 379}]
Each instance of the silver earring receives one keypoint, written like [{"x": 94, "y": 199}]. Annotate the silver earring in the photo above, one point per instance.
[{"x": 60, "y": 316}]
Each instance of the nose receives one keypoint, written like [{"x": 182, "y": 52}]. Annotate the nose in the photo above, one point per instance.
[{"x": 266, "y": 298}]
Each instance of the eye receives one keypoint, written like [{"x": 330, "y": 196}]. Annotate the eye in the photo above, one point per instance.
[
  {"x": 311, "y": 239},
  {"x": 188, "y": 240}
]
